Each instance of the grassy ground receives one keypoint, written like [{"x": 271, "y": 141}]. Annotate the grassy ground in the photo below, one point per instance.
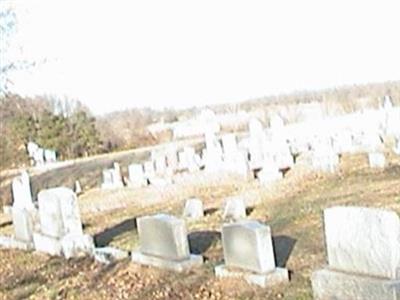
[{"x": 293, "y": 209}]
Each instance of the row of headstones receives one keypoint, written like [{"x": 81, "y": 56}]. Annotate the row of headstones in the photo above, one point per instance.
[
  {"x": 40, "y": 156},
  {"x": 363, "y": 244},
  {"x": 363, "y": 248},
  {"x": 52, "y": 225}
]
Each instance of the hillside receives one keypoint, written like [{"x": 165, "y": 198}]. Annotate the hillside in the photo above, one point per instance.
[{"x": 292, "y": 208}]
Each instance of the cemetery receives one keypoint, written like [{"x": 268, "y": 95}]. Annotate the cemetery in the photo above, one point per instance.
[{"x": 300, "y": 210}]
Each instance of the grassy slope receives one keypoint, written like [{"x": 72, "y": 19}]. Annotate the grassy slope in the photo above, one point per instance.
[{"x": 292, "y": 208}]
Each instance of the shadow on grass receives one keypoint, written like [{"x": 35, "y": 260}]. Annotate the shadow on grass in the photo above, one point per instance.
[
  {"x": 103, "y": 238},
  {"x": 210, "y": 211},
  {"x": 201, "y": 241},
  {"x": 283, "y": 246}
]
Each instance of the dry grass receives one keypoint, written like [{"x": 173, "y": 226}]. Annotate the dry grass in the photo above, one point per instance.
[{"x": 292, "y": 208}]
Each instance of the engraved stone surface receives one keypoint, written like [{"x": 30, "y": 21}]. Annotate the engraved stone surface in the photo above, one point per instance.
[
  {"x": 331, "y": 284},
  {"x": 163, "y": 236},
  {"x": 363, "y": 240},
  {"x": 248, "y": 245},
  {"x": 59, "y": 212}
]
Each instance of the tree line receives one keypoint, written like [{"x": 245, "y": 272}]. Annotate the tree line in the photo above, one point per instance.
[{"x": 71, "y": 131}]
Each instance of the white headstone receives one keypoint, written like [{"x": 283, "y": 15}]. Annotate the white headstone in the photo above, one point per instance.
[
  {"x": 363, "y": 241},
  {"x": 248, "y": 245},
  {"x": 234, "y": 209},
  {"x": 193, "y": 209},
  {"x": 21, "y": 190},
  {"x": 163, "y": 236}
]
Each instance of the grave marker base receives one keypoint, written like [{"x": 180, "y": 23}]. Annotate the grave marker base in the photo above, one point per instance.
[
  {"x": 331, "y": 284},
  {"x": 177, "y": 266},
  {"x": 279, "y": 275}
]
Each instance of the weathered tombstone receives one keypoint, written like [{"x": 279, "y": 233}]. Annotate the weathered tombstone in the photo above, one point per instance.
[
  {"x": 23, "y": 224},
  {"x": 397, "y": 146},
  {"x": 269, "y": 172},
  {"x": 136, "y": 176},
  {"x": 325, "y": 161},
  {"x": 107, "y": 179},
  {"x": 193, "y": 209},
  {"x": 50, "y": 156},
  {"x": 38, "y": 157},
  {"x": 160, "y": 164},
  {"x": 164, "y": 243},
  {"x": 238, "y": 164},
  {"x": 172, "y": 158},
  {"x": 376, "y": 160},
  {"x": 229, "y": 145},
  {"x": 60, "y": 224},
  {"x": 249, "y": 254},
  {"x": 32, "y": 147},
  {"x": 77, "y": 187},
  {"x": 21, "y": 190},
  {"x": 234, "y": 209},
  {"x": 256, "y": 142},
  {"x": 363, "y": 248},
  {"x": 117, "y": 177},
  {"x": 107, "y": 255},
  {"x": 112, "y": 178},
  {"x": 149, "y": 169}
]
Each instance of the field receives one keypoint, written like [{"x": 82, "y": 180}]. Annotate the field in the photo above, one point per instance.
[{"x": 293, "y": 209}]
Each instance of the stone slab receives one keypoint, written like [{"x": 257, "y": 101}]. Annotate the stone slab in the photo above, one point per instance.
[
  {"x": 163, "y": 236},
  {"x": 248, "y": 245},
  {"x": 47, "y": 244},
  {"x": 363, "y": 240},
  {"x": 177, "y": 266},
  {"x": 74, "y": 245},
  {"x": 107, "y": 255},
  {"x": 11, "y": 243},
  {"x": 331, "y": 284},
  {"x": 23, "y": 224},
  {"x": 277, "y": 276}
]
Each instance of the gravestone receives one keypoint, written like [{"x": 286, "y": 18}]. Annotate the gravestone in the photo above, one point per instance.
[
  {"x": 60, "y": 224},
  {"x": 172, "y": 158},
  {"x": 50, "y": 156},
  {"x": 193, "y": 209},
  {"x": 136, "y": 176},
  {"x": 164, "y": 243},
  {"x": 112, "y": 178},
  {"x": 269, "y": 172},
  {"x": 107, "y": 179},
  {"x": 229, "y": 145},
  {"x": 363, "y": 248},
  {"x": 38, "y": 157},
  {"x": 160, "y": 164},
  {"x": 21, "y": 191},
  {"x": 256, "y": 143},
  {"x": 107, "y": 255},
  {"x": 376, "y": 160},
  {"x": 77, "y": 188},
  {"x": 234, "y": 209},
  {"x": 324, "y": 160},
  {"x": 397, "y": 146},
  {"x": 249, "y": 254},
  {"x": 23, "y": 223},
  {"x": 149, "y": 169}
]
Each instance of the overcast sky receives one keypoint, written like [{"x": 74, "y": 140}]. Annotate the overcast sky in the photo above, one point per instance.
[{"x": 117, "y": 54}]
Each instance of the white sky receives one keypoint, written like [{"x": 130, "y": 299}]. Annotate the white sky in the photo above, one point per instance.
[{"x": 117, "y": 54}]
